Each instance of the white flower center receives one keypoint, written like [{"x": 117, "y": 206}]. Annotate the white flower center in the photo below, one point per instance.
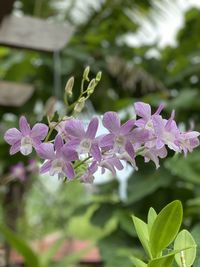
[
  {"x": 57, "y": 168},
  {"x": 168, "y": 137},
  {"x": 149, "y": 125},
  {"x": 85, "y": 146},
  {"x": 26, "y": 145}
]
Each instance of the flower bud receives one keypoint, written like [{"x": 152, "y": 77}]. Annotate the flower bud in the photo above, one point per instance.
[
  {"x": 69, "y": 86},
  {"x": 50, "y": 107},
  {"x": 79, "y": 105},
  {"x": 86, "y": 73},
  {"x": 91, "y": 86},
  {"x": 98, "y": 77}
]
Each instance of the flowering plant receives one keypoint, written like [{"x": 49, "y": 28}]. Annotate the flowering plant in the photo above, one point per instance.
[
  {"x": 148, "y": 135},
  {"x": 72, "y": 150}
]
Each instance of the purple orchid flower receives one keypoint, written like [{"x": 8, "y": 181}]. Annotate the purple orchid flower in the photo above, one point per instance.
[
  {"x": 167, "y": 132},
  {"x": 143, "y": 110},
  {"x": 188, "y": 141},
  {"x": 83, "y": 141},
  {"x": 88, "y": 176},
  {"x": 110, "y": 162},
  {"x": 58, "y": 159},
  {"x": 18, "y": 171},
  {"x": 119, "y": 138},
  {"x": 27, "y": 138},
  {"x": 154, "y": 155},
  {"x": 60, "y": 128}
]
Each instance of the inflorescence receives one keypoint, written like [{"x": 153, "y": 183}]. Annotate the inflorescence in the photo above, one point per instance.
[{"x": 74, "y": 145}]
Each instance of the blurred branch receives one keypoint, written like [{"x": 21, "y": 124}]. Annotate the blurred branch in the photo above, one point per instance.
[{"x": 131, "y": 77}]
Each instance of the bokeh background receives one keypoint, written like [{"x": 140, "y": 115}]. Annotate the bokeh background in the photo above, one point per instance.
[{"x": 147, "y": 51}]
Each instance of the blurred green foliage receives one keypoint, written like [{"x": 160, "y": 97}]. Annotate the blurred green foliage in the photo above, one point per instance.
[{"x": 129, "y": 74}]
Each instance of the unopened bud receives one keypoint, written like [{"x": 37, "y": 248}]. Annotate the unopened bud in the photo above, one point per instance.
[
  {"x": 86, "y": 73},
  {"x": 50, "y": 107},
  {"x": 79, "y": 105},
  {"x": 69, "y": 86},
  {"x": 98, "y": 77},
  {"x": 91, "y": 86}
]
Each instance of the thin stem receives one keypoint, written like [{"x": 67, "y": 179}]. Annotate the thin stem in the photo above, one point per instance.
[
  {"x": 65, "y": 99},
  {"x": 51, "y": 130},
  {"x": 70, "y": 107},
  {"x": 82, "y": 85},
  {"x": 82, "y": 162}
]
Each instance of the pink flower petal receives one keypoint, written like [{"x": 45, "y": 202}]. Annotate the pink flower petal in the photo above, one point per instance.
[
  {"x": 69, "y": 171},
  {"x": 117, "y": 163},
  {"x": 143, "y": 110},
  {"x": 92, "y": 129},
  {"x": 107, "y": 140},
  {"x": 170, "y": 123},
  {"x": 46, "y": 167},
  {"x": 111, "y": 121},
  {"x": 158, "y": 124},
  {"x": 162, "y": 153},
  {"x": 159, "y": 144},
  {"x": 129, "y": 149},
  {"x": 75, "y": 128},
  {"x": 160, "y": 108},
  {"x": 24, "y": 126},
  {"x": 58, "y": 143},
  {"x": 69, "y": 154},
  {"x": 190, "y": 135},
  {"x": 127, "y": 127},
  {"x": 194, "y": 143},
  {"x": 95, "y": 152},
  {"x": 46, "y": 151},
  {"x": 12, "y": 136},
  {"x": 15, "y": 148},
  {"x": 39, "y": 131},
  {"x": 140, "y": 123}
]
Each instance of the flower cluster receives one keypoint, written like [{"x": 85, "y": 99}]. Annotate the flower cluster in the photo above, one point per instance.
[{"x": 149, "y": 135}]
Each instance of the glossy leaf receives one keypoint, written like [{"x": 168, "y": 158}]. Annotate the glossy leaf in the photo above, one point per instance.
[
  {"x": 143, "y": 234},
  {"x": 137, "y": 262},
  {"x": 196, "y": 233},
  {"x": 165, "y": 261},
  {"x": 165, "y": 227},
  {"x": 183, "y": 240},
  {"x": 152, "y": 215}
]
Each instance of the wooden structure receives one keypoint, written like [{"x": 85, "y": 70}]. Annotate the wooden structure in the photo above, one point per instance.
[
  {"x": 29, "y": 33},
  {"x": 91, "y": 257},
  {"x": 32, "y": 33},
  {"x": 13, "y": 94}
]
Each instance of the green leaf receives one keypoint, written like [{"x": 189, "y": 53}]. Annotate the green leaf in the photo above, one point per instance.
[
  {"x": 165, "y": 261},
  {"x": 196, "y": 232},
  {"x": 143, "y": 234},
  {"x": 183, "y": 240},
  {"x": 137, "y": 262},
  {"x": 152, "y": 215},
  {"x": 30, "y": 257},
  {"x": 165, "y": 227},
  {"x": 47, "y": 256}
]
